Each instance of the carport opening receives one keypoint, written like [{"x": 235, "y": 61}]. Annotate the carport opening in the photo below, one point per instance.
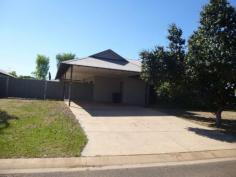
[
  {"x": 83, "y": 83},
  {"x": 76, "y": 90}
]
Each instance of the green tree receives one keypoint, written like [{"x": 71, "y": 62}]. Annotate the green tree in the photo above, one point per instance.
[
  {"x": 176, "y": 43},
  {"x": 42, "y": 67},
  {"x": 25, "y": 77},
  {"x": 175, "y": 63},
  {"x": 164, "y": 68},
  {"x": 13, "y": 73},
  {"x": 176, "y": 53},
  {"x": 153, "y": 68},
  {"x": 212, "y": 56},
  {"x": 64, "y": 56}
]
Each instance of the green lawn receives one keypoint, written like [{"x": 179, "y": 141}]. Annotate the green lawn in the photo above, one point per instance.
[{"x": 37, "y": 128}]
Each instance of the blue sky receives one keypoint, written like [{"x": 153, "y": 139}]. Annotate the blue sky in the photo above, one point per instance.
[{"x": 84, "y": 27}]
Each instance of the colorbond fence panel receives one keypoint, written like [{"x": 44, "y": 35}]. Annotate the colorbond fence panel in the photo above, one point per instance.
[
  {"x": 25, "y": 88},
  {"x": 3, "y": 86}
]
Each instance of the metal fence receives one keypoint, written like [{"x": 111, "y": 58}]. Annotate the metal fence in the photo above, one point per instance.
[{"x": 25, "y": 88}]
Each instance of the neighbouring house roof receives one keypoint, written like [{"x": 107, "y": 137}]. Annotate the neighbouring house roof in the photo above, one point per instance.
[
  {"x": 107, "y": 59},
  {"x": 2, "y": 72}
]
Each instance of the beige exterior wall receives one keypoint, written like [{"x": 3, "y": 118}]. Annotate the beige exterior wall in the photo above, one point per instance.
[
  {"x": 133, "y": 90},
  {"x": 104, "y": 87}
]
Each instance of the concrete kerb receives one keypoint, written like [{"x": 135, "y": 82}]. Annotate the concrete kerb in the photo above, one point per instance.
[{"x": 101, "y": 161}]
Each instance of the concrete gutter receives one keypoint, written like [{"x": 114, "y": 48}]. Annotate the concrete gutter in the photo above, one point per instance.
[{"x": 8, "y": 165}]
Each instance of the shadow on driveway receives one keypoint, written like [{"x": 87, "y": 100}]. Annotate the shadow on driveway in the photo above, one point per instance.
[
  {"x": 213, "y": 134},
  {"x": 117, "y": 110},
  {"x": 228, "y": 124}
]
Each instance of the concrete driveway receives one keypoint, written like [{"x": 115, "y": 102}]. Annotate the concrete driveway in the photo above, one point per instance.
[{"x": 129, "y": 130}]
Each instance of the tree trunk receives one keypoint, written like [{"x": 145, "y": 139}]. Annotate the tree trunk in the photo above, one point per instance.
[{"x": 218, "y": 118}]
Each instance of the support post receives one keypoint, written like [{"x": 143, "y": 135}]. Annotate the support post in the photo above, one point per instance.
[
  {"x": 70, "y": 84},
  {"x": 64, "y": 87}
]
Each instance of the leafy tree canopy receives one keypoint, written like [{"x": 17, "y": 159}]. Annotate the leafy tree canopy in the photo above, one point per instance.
[
  {"x": 212, "y": 55},
  {"x": 176, "y": 45},
  {"x": 164, "y": 67},
  {"x": 42, "y": 67},
  {"x": 25, "y": 77},
  {"x": 13, "y": 73},
  {"x": 64, "y": 56}
]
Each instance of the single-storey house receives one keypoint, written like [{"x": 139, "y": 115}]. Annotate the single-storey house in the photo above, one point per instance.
[
  {"x": 109, "y": 78},
  {"x": 4, "y": 74}
]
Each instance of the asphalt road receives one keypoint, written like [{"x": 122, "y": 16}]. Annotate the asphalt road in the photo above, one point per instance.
[{"x": 213, "y": 169}]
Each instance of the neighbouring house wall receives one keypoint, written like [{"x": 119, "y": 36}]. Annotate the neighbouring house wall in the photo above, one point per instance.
[
  {"x": 3, "y": 75},
  {"x": 104, "y": 87},
  {"x": 134, "y": 91}
]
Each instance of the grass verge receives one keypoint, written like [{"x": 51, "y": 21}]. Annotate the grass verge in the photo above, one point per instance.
[{"x": 37, "y": 128}]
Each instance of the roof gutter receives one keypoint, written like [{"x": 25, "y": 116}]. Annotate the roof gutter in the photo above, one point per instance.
[{"x": 63, "y": 67}]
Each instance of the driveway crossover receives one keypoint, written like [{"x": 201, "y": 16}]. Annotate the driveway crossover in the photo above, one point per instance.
[{"x": 129, "y": 130}]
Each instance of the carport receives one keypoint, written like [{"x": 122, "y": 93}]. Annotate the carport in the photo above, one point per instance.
[{"x": 112, "y": 78}]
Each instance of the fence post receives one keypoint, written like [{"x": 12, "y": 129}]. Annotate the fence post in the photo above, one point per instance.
[
  {"x": 71, "y": 71},
  {"x": 45, "y": 90},
  {"x": 7, "y": 86}
]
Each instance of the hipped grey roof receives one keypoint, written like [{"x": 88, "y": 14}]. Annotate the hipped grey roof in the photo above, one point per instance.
[
  {"x": 107, "y": 59},
  {"x": 5, "y": 73}
]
